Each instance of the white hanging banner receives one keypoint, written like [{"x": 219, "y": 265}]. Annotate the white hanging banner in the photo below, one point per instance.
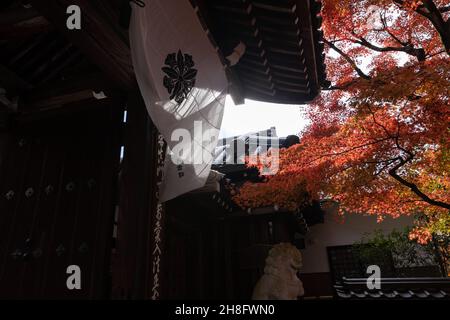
[{"x": 183, "y": 83}]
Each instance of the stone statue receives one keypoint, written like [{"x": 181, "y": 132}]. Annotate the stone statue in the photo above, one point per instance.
[{"x": 280, "y": 281}]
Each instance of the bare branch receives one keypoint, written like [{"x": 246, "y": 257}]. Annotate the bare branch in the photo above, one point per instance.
[
  {"x": 406, "y": 47},
  {"x": 348, "y": 59},
  {"x": 435, "y": 54},
  {"x": 432, "y": 13},
  {"x": 429, "y": 10},
  {"x": 379, "y": 124},
  {"x": 393, "y": 173},
  {"x": 375, "y": 141},
  {"x": 385, "y": 28},
  {"x": 344, "y": 86}
]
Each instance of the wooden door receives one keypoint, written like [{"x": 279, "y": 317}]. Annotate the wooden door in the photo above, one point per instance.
[{"x": 58, "y": 180}]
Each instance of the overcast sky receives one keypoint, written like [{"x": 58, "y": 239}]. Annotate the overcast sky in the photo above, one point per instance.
[{"x": 256, "y": 116}]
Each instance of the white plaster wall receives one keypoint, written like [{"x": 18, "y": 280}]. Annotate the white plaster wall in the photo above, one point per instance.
[{"x": 334, "y": 233}]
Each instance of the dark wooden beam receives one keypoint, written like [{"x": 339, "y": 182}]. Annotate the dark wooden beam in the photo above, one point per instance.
[
  {"x": 283, "y": 68},
  {"x": 34, "y": 26},
  {"x": 292, "y": 89},
  {"x": 59, "y": 101},
  {"x": 279, "y": 31},
  {"x": 11, "y": 82},
  {"x": 60, "y": 60},
  {"x": 45, "y": 49},
  {"x": 132, "y": 275},
  {"x": 17, "y": 15},
  {"x": 290, "y": 76},
  {"x": 20, "y": 22},
  {"x": 257, "y": 77},
  {"x": 251, "y": 61},
  {"x": 245, "y": 23},
  {"x": 255, "y": 53},
  {"x": 266, "y": 18},
  {"x": 97, "y": 39},
  {"x": 4, "y": 120},
  {"x": 32, "y": 44},
  {"x": 291, "y": 83},
  {"x": 261, "y": 91},
  {"x": 3, "y": 107},
  {"x": 279, "y": 7},
  {"x": 306, "y": 25},
  {"x": 236, "y": 88},
  {"x": 253, "y": 69},
  {"x": 67, "y": 107},
  {"x": 274, "y": 41},
  {"x": 239, "y": 10},
  {"x": 259, "y": 84},
  {"x": 297, "y": 52},
  {"x": 71, "y": 90}
]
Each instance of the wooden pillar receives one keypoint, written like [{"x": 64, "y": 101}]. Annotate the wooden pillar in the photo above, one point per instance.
[{"x": 133, "y": 264}]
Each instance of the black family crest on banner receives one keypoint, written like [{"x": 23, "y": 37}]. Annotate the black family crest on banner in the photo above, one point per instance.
[{"x": 180, "y": 75}]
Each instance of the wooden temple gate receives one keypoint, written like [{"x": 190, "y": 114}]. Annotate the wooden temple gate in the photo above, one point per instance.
[
  {"x": 61, "y": 135},
  {"x": 58, "y": 186}
]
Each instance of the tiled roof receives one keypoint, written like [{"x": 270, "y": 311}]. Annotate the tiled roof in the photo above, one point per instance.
[{"x": 395, "y": 289}]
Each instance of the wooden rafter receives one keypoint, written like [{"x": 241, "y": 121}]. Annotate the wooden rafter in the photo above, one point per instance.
[
  {"x": 68, "y": 91},
  {"x": 283, "y": 61},
  {"x": 236, "y": 88},
  {"x": 97, "y": 39},
  {"x": 11, "y": 82},
  {"x": 17, "y": 22}
]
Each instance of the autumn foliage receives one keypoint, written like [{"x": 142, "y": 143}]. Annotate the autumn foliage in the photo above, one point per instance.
[{"x": 378, "y": 140}]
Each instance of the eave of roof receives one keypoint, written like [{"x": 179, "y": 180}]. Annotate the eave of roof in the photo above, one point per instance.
[{"x": 284, "y": 60}]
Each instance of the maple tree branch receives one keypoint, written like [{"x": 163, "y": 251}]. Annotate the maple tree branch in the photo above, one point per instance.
[
  {"x": 435, "y": 54},
  {"x": 413, "y": 187},
  {"x": 393, "y": 36},
  {"x": 341, "y": 87},
  {"x": 381, "y": 161},
  {"x": 429, "y": 10},
  {"x": 348, "y": 59},
  {"x": 339, "y": 40},
  {"x": 352, "y": 149},
  {"x": 411, "y": 200},
  {"x": 397, "y": 143},
  {"x": 387, "y": 164},
  {"x": 419, "y": 53},
  {"x": 442, "y": 26},
  {"x": 379, "y": 124},
  {"x": 406, "y": 46},
  {"x": 444, "y": 9}
]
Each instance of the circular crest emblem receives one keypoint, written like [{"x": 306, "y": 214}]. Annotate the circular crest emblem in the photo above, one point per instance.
[{"x": 180, "y": 75}]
